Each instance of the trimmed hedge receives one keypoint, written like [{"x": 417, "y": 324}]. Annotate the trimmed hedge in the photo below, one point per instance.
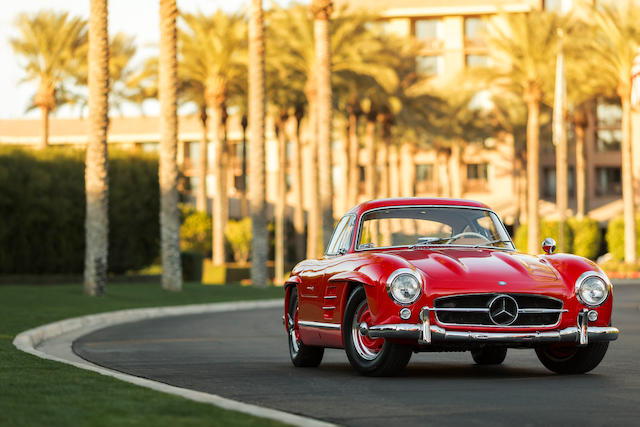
[
  {"x": 615, "y": 237},
  {"x": 42, "y": 210},
  {"x": 587, "y": 238},
  {"x": 547, "y": 229}
]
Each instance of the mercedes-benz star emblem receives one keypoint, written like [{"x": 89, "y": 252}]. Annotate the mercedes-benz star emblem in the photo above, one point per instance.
[{"x": 503, "y": 310}]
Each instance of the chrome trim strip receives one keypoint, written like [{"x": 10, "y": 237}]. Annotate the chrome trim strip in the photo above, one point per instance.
[
  {"x": 330, "y": 296},
  {"x": 356, "y": 245},
  {"x": 320, "y": 325},
  {"x": 438, "y": 334},
  {"x": 329, "y": 307},
  {"x": 486, "y": 310},
  {"x": 542, "y": 310}
]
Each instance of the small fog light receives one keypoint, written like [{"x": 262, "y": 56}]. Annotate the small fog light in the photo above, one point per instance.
[
  {"x": 592, "y": 315},
  {"x": 405, "y": 313}
]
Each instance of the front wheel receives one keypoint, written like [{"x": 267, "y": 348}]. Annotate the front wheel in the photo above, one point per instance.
[
  {"x": 570, "y": 359},
  {"x": 302, "y": 356},
  {"x": 369, "y": 356}
]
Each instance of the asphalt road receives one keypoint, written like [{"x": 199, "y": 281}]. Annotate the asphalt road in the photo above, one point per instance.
[{"x": 244, "y": 356}]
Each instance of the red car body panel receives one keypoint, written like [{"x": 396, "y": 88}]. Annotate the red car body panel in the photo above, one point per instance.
[{"x": 325, "y": 284}]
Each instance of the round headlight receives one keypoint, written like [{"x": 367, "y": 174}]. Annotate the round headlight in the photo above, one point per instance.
[
  {"x": 591, "y": 289},
  {"x": 403, "y": 286}
]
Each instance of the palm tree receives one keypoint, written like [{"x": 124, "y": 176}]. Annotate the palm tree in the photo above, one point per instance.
[
  {"x": 212, "y": 52},
  {"x": 96, "y": 171},
  {"x": 354, "y": 52},
  {"x": 256, "y": 141},
  {"x": 614, "y": 49},
  {"x": 49, "y": 42},
  {"x": 528, "y": 42},
  {"x": 168, "y": 97},
  {"x": 321, "y": 11}
]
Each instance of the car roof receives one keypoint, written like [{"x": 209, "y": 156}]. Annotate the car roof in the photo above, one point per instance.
[{"x": 413, "y": 201}]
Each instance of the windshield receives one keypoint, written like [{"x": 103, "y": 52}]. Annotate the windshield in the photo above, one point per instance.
[{"x": 432, "y": 226}]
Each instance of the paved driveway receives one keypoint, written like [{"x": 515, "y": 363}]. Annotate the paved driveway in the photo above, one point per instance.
[{"x": 243, "y": 356}]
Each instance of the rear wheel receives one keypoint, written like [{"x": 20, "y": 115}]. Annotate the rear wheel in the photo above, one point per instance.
[
  {"x": 570, "y": 359},
  {"x": 302, "y": 356},
  {"x": 489, "y": 355},
  {"x": 369, "y": 356}
]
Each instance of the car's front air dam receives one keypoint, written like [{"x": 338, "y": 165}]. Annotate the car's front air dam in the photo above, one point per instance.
[{"x": 425, "y": 333}]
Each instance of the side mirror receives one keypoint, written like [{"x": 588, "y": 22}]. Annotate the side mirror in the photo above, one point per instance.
[{"x": 549, "y": 245}]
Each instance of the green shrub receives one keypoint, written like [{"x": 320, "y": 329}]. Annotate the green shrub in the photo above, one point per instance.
[
  {"x": 134, "y": 203},
  {"x": 238, "y": 235},
  {"x": 615, "y": 237},
  {"x": 195, "y": 231},
  {"x": 42, "y": 211},
  {"x": 191, "y": 265},
  {"x": 586, "y": 237},
  {"x": 547, "y": 229}
]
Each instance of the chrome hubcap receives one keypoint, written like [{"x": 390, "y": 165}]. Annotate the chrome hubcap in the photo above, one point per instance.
[{"x": 367, "y": 348}]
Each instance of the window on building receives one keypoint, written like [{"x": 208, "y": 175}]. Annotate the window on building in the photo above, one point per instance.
[
  {"x": 474, "y": 60},
  {"x": 478, "y": 171},
  {"x": 429, "y": 29},
  {"x": 194, "y": 151},
  {"x": 474, "y": 28},
  {"x": 430, "y": 65},
  {"x": 424, "y": 172},
  {"x": 424, "y": 182},
  {"x": 609, "y": 134},
  {"x": 608, "y": 181},
  {"x": 549, "y": 182},
  {"x": 477, "y": 178},
  {"x": 150, "y": 147}
]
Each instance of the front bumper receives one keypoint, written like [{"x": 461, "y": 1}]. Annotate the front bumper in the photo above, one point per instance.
[{"x": 425, "y": 333}]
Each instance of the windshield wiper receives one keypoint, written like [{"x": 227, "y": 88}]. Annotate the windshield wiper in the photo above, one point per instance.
[
  {"x": 426, "y": 241},
  {"x": 491, "y": 243}
]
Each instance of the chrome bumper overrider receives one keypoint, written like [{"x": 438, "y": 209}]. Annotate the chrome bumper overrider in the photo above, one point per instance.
[{"x": 426, "y": 333}]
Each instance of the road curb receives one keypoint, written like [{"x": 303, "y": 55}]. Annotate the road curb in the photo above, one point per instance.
[{"x": 29, "y": 340}]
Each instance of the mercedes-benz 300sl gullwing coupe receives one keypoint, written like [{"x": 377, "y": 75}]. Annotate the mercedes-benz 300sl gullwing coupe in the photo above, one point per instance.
[{"x": 408, "y": 275}]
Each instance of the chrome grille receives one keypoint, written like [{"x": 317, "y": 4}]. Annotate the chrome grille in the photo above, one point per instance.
[{"x": 473, "y": 310}]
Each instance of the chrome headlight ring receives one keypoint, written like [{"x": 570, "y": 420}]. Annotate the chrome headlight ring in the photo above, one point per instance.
[
  {"x": 595, "y": 282},
  {"x": 404, "y": 286}
]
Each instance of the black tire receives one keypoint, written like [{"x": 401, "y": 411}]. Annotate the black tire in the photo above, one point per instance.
[
  {"x": 302, "y": 356},
  {"x": 572, "y": 359},
  {"x": 489, "y": 355},
  {"x": 370, "y": 357}
]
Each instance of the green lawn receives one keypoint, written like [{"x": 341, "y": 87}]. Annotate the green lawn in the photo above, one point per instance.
[{"x": 37, "y": 392}]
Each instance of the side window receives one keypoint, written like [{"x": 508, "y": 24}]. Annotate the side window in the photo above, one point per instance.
[{"x": 341, "y": 236}]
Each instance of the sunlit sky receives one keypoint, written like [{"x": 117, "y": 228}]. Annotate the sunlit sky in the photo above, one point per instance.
[{"x": 135, "y": 17}]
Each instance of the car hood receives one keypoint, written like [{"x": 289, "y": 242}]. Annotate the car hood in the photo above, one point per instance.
[{"x": 483, "y": 270}]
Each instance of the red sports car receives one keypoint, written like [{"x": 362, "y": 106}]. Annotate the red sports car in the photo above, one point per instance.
[{"x": 417, "y": 274}]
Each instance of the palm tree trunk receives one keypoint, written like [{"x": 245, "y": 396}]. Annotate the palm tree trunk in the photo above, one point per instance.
[
  {"x": 44, "y": 141},
  {"x": 281, "y": 199},
  {"x": 96, "y": 171},
  {"x": 244, "y": 210},
  {"x": 370, "y": 141},
  {"x": 201, "y": 194},
  {"x": 533, "y": 162},
  {"x": 298, "y": 204},
  {"x": 354, "y": 154},
  {"x": 313, "y": 217},
  {"x": 630, "y": 255},
  {"x": 455, "y": 177},
  {"x": 168, "y": 170},
  {"x": 562, "y": 188},
  {"x": 321, "y": 10},
  {"x": 257, "y": 154},
  {"x": 217, "y": 209},
  {"x": 581, "y": 178}
]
